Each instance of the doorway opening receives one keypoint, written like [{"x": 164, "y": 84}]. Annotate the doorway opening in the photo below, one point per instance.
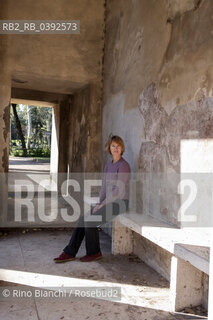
[{"x": 32, "y": 132}]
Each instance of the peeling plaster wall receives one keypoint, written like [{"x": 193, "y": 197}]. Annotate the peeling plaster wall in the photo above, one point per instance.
[
  {"x": 93, "y": 163},
  {"x": 4, "y": 98},
  {"x": 78, "y": 130},
  {"x": 177, "y": 8},
  {"x": 5, "y": 93},
  {"x": 84, "y": 152},
  {"x": 64, "y": 142},
  {"x": 186, "y": 72},
  {"x": 158, "y": 82}
]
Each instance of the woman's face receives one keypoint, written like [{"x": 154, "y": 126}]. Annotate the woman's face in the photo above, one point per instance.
[{"x": 115, "y": 149}]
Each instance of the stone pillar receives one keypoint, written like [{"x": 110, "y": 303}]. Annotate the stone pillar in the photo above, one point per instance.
[
  {"x": 122, "y": 238},
  {"x": 5, "y": 90},
  {"x": 210, "y": 302},
  {"x": 64, "y": 114},
  {"x": 94, "y": 143},
  {"x": 5, "y": 95},
  {"x": 185, "y": 285}
]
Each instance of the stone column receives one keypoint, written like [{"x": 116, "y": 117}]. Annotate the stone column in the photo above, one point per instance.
[
  {"x": 210, "y": 300},
  {"x": 5, "y": 90},
  {"x": 185, "y": 285},
  {"x": 64, "y": 123},
  {"x": 5, "y": 95},
  {"x": 94, "y": 143},
  {"x": 122, "y": 238}
]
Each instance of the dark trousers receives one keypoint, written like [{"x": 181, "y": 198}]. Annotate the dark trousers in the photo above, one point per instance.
[{"x": 87, "y": 226}]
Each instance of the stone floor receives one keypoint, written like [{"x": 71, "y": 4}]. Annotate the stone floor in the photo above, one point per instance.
[
  {"x": 26, "y": 260},
  {"x": 32, "y": 171},
  {"x": 23, "y": 164},
  {"x": 35, "y": 173}
]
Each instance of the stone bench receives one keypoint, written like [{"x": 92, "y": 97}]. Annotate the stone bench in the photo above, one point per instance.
[{"x": 180, "y": 255}]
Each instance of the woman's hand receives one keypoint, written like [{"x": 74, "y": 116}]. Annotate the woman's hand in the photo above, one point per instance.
[{"x": 97, "y": 207}]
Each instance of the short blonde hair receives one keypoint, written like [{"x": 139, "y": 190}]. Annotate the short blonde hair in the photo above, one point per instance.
[{"x": 116, "y": 139}]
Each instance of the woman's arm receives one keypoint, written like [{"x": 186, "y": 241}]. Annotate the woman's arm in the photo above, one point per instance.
[
  {"x": 118, "y": 187},
  {"x": 102, "y": 193}
]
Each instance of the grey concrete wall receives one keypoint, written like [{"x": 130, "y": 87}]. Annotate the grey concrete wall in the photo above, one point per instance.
[
  {"x": 85, "y": 130},
  {"x": 158, "y": 81},
  {"x": 4, "y": 121},
  {"x": 65, "y": 110},
  {"x": 5, "y": 93},
  {"x": 78, "y": 130},
  {"x": 5, "y": 83},
  {"x": 4, "y": 141}
]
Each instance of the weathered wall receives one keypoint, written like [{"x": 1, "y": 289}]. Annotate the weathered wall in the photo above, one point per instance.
[
  {"x": 4, "y": 98},
  {"x": 84, "y": 152},
  {"x": 65, "y": 110},
  {"x": 158, "y": 80},
  {"x": 4, "y": 141},
  {"x": 78, "y": 130}
]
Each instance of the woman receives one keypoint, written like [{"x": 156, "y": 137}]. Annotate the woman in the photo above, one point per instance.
[{"x": 113, "y": 199}]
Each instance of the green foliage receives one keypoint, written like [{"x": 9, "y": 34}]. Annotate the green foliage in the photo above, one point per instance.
[
  {"x": 41, "y": 126},
  {"x": 39, "y": 152}
]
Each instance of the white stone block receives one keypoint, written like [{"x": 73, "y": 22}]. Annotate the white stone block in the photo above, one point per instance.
[
  {"x": 122, "y": 239},
  {"x": 185, "y": 285}
]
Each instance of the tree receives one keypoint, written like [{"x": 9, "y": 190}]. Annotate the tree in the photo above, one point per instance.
[
  {"x": 33, "y": 123},
  {"x": 29, "y": 126},
  {"x": 19, "y": 130},
  {"x": 41, "y": 119}
]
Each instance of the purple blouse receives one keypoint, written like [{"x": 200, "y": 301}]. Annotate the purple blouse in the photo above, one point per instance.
[{"x": 116, "y": 181}]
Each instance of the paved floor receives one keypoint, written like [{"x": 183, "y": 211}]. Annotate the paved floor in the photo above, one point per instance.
[
  {"x": 26, "y": 259},
  {"x": 35, "y": 175},
  {"x": 30, "y": 171},
  {"x": 22, "y": 164}
]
